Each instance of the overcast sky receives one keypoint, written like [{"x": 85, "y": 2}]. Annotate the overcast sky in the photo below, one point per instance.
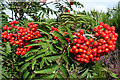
[{"x": 88, "y": 5}]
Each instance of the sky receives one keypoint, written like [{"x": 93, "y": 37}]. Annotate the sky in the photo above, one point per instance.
[{"x": 88, "y": 5}]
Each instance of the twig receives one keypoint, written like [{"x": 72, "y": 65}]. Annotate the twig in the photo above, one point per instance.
[
  {"x": 90, "y": 35},
  {"x": 75, "y": 24}
]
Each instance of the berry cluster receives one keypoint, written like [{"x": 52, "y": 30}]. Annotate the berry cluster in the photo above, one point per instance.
[
  {"x": 85, "y": 50},
  {"x": 54, "y": 29},
  {"x": 21, "y": 37}
]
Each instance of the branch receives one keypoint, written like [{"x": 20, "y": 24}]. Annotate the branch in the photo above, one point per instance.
[{"x": 90, "y": 35}]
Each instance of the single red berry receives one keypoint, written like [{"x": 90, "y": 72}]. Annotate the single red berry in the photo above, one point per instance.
[
  {"x": 96, "y": 34},
  {"x": 101, "y": 23},
  {"x": 81, "y": 31},
  {"x": 100, "y": 27}
]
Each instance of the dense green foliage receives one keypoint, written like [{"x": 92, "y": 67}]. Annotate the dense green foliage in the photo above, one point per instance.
[{"x": 51, "y": 58}]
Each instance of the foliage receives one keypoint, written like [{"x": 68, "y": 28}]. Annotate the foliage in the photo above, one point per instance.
[{"x": 50, "y": 58}]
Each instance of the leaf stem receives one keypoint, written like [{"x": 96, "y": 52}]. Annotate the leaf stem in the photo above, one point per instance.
[{"x": 75, "y": 24}]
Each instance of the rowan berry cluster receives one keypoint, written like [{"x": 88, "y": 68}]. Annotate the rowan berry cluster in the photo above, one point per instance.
[
  {"x": 85, "y": 50},
  {"x": 21, "y": 36},
  {"x": 54, "y": 29}
]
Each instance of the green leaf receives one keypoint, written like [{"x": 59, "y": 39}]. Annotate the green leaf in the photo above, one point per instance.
[
  {"x": 42, "y": 63},
  {"x": 33, "y": 44},
  {"x": 52, "y": 57},
  {"x": 55, "y": 41},
  {"x": 69, "y": 33},
  {"x": 48, "y": 76},
  {"x": 69, "y": 17},
  {"x": 114, "y": 75},
  {"x": 61, "y": 38},
  {"x": 33, "y": 64},
  {"x": 68, "y": 49},
  {"x": 110, "y": 72},
  {"x": 39, "y": 56},
  {"x": 29, "y": 58},
  {"x": 67, "y": 14},
  {"x": 26, "y": 74},
  {"x": 41, "y": 51},
  {"x": 66, "y": 59},
  {"x": 33, "y": 50},
  {"x": 31, "y": 76},
  {"x": 52, "y": 49},
  {"x": 43, "y": 31},
  {"x": 46, "y": 62},
  {"x": 38, "y": 39},
  {"x": 59, "y": 47},
  {"x": 20, "y": 63},
  {"x": 67, "y": 22},
  {"x": 61, "y": 30},
  {"x": 42, "y": 23},
  {"x": 81, "y": 22},
  {"x": 89, "y": 76},
  {"x": 74, "y": 75},
  {"x": 84, "y": 74},
  {"x": 24, "y": 66},
  {"x": 7, "y": 47},
  {"x": 64, "y": 71},
  {"x": 50, "y": 69},
  {"x": 59, "y": 76}
]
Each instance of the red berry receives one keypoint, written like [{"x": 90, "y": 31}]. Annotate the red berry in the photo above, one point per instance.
[
  {"x": 81, "y": 31},
  {"x": 90, "y": 40},
  {"x": 9, "y": 28},
  {"x": 100, "y": 27},
  {"x": 96, "y": 34},
  {"x": 16, "y": 22},
  {"x": 74, "y": 48},
  {"x": 101, "y": 23},
  {"x": 78, "y": 34}
]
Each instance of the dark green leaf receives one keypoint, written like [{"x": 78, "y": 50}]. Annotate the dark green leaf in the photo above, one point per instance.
[
  {"x": 84, "y": 74},
  {"x": 24, "y": 66},
  {"x": 52, "y": 49},
  {"x": 55, "y": 41},
  {"x": 64, "y": 71},
  {"x": 66, "y": 59},
  {"x": 48, "y": 76},
  {"x": 41, "y": 51},
  {"x": 29, "y": 58},
  {"x": 50, "y": 69},
  {"x": 8, "y": 47},
  {"x": 33, "y": 50},
  {"x": 33, "y": 64},
  {"x": 39, "y": 56},
  {"x": 68, "y": 49},
  {"x": 61, "y": 38},
  {"x": 33, "y": 44},
  {"x": 59, "y": 47},
  {"x": 61, "y": 30},
  {"x": 52, "y": 57},
  {"x": 59, "y": 76},
  {"x": 89, "y": 76},
  {"x": 46, "y": 62},
  {"x": 74, "y": 75},
  {"x": 69, "y": 33},
  {"x": 42, "y": 63},
  {"x": 114, "y": 75},
  {"x": 31, "y": 76},
  {"x": 44, "y": 31},
  {"x": 38, "y": 39},
  {"x": 26, "y": 74}
]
